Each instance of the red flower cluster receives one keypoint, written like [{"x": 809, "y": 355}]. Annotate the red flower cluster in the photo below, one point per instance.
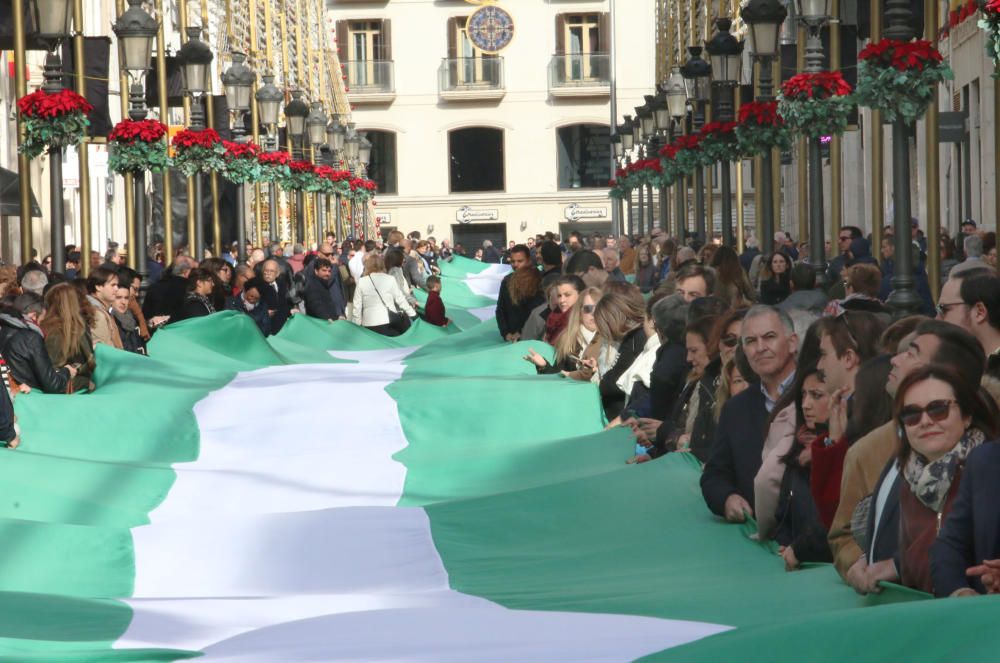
[
  {"x": 274, "y": 158},
  {"x": 645, "y": 164},
  {"x": 956, "y": 16},
  {"x": 669, "y": 151},
  {"x": 205, "y": 138},
  {"x": 40, "y": 104},
  {"x": 761, "y": 113},
  {"x": 240, "y": 150},
  {"x": 301, "y": 167},
  {"x": 361, "y": 183},
  {"x": 901, "y": 55},
  {"x": 620, "y": 172},
  {"x": 687, "y": 142},
  {"x": 992, "y": 7},
  {"x": 146, "y": 131},
  {"x": 821, "y": 85},
  {"x": 718, "y": 129}
]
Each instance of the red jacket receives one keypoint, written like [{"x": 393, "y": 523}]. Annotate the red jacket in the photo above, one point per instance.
[
  {"x": 824, "y": 480},
  {"x": 434, "y": 309}
]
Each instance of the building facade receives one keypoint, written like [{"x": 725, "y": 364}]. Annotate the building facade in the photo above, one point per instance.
[{"x": 471, "y": 145}]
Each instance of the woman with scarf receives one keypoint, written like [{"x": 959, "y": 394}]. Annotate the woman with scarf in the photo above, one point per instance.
[
  {"x": 565, "y": 319},
  {"x": 941, "y": 419},
  {"x": 800, "y": 532}
]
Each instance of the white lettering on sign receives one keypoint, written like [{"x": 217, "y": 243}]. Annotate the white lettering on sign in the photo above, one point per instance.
[
  {"x": 576, "y": 212},
  {"x": 466, "y": 214}
]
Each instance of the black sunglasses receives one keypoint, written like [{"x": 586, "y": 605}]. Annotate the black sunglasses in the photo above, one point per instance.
[
  {"x": 937, "y": 410},
  {"x": 589, "y": 308},
  {"x": 730, "y": 341}
]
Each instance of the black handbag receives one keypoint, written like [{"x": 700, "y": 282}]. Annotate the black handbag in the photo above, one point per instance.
[{"x": 400, "y": 322}]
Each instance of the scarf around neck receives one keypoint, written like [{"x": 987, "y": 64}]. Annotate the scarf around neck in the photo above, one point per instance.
[
  {"x": 203, "y": 299},
  {"x": 555, "y": 323},
  {"x": 931, "y": 481}
]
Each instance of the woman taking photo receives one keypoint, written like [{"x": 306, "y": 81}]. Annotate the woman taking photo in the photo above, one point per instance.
[
  {"x": 578, "y": 331},
  {"x": 774, "y": 279},
  {"x": 940, "y": 418},
  {"x": 375, "y": 296},
  {"x": 66, "y": 323}
]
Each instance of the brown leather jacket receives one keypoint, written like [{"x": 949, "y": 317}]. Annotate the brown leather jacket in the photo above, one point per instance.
[{"x": 918, "y": 530}]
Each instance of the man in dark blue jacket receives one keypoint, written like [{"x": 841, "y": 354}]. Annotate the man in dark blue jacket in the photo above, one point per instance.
[
  {"x": 770, "y": 344},
  {"x": 965, "y": 559}
]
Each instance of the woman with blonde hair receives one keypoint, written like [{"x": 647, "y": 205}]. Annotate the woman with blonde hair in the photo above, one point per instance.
[
  {"x": 572, "y": 344},
  {"x": 620, "y": 321},
  {"x": 378, "y": 300},
  {"x": 66, "y": 325}
]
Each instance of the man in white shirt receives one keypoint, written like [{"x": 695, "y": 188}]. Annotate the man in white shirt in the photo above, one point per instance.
[{"x": 357, "y": 264}]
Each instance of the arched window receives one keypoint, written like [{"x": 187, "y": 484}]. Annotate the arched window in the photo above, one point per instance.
[
  {"x": 475, "y": 158},
  {"x": 382, "y": 167},
  {"x": 584, "y": 156}
]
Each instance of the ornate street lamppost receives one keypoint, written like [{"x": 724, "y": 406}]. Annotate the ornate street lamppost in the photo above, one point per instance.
[
  {"x": 903, "y": 299},
  {"x": 677, "y": 108},
  {"x": 52, "y": 18},
  {"x": 765, "y": 18},
  {"x": 135, "y": 30},
  {"x": 351, "y": 149},
  {"x": 364, "y": 158},
  {"x": 628, "y": 143},
  {"x": 195, "y": 58},
  {"x": 237, "y": 81},
  {"x": 814, "y": 14},
  {"x": 335, "y": 133},
  {"x": 618, "y": 153},
  {"x": 647, "y": 133},
  {"x": 726, "y": 53},
  {"x": 316, "y": 129},
  {"x": 269, "y": 99},
  {"x": 661, "y": 117},
  {"x": 296, "y": 112},
  {"x": 697, "y": 74}
]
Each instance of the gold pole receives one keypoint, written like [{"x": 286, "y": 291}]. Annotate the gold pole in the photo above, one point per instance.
[
  {"x": 210, "y": 122},
  {"x": 288, "y": 138},
  {"x": 23, "y": 162},
  {"x": 129, "y": 190},
  {"x": 255, "y": 63},
  {"x": 83, "y": 151},
  {"x": 776, "y": 181},
  {"x": 709, "y": 189},
  {"x": 161, "y": 87},
  {"x": 878, "y": 165},
  {"x": 933, "y": 155},
  {"x": 837, "y": 143},
  {"x": 740, "y": 219},
  {"x": 183, "y": 20},
  {"x": 801, "y": 157},
  {"x": 272, "y": 224}
]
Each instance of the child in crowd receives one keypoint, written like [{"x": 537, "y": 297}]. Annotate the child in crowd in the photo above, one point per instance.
[{"x": 434, "y": 308}]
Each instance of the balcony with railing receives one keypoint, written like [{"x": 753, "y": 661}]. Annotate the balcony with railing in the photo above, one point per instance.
[
  {"x": 475, "y": 79},
  {"x": 370, "y": 81},
  {"x": 580, "y": 75}
]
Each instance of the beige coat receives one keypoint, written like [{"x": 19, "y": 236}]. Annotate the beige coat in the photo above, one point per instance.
[
  {"x": 767, "y": 483},
  {"x": 104, "y": 330}
]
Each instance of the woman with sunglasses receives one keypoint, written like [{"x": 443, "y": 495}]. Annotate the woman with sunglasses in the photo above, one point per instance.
[
  {"x": 774, "y": 279},
  {"x": 572, "y": 344},
  {"x": 940, "y": 419},
  {"x": 620, "y": 321}
]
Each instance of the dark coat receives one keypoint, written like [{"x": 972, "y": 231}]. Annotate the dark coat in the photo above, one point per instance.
[
  {"x": 613, "y": 398},
  {"x": 971, "y": 532},
  {"x": 735, "y": 456},
  {"x": 193, "y": 307},
  {"x": 666, "y": 380},
  {"x": 746, "y": 258},
  {"x": 23, "y": 348},
  {"x": 318, "y": 299},
  {"x": 165, "y": 297},
  {"x": 773, "y": 291},
  {"x": 920, "y": 283},
  {"x": 918, "y": 530},
  {"x": 703, "y": 430},
  {"x": 258, "y": 314},
  {"x": 887, "y": 536},
  {"x": 510, "y": 316},
  {"x": 277, "y": 300},
  {"x": 131, "y": 341},
  {"x": 491, "y": 255},
  {"x": 434, "y": 309},
  {"x": 7, "y": 432},
  {"x": 799, "y": 524}
]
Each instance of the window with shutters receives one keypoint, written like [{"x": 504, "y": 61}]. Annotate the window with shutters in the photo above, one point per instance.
[
  {"x": 365, "y": 51},
  {"x": 581, "y": 57},
  {"x": 467, "y": 69},
  {"x": 476, "y": 160},
  {"x": 584, "y": 156}
]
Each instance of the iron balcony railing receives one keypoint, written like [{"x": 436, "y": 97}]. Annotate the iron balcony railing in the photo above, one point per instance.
[
  {"x": 369, "y": 76},
  {"x": 471, "y": 74},
  {"x": 580, "y": 70}
]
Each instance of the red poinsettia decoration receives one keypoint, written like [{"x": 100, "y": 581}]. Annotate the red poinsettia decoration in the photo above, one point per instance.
[
  {"x": 240, "y": 150},
  {"x": 274, "y": 158},
  {"x": 992, "y": 7},
  {"x": 761, "y": 113},
  {"x": 146, "y": 131},
  {"x": 41, "y": 104},
  {"x": 687, "y": 142},
  {"x": 301, "y": 167},
  {"x": 717, "y": 129},
  {"x": 204, "y": 138},
  {"x": 901, "y": 55},
  {"x": 820, "y": 85}
]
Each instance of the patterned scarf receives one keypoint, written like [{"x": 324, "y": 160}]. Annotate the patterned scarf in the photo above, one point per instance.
[
  {"x": 930, "y": 482},
  {"x": 555, "y": 323},
  {"x": 204, "y": 300}
]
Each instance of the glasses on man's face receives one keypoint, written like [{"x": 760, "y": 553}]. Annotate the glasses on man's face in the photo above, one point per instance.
[
  {"x": 845, "y": 238},
  {"x": 943, "y": 308},
  {"x": 937, "y": 410}
]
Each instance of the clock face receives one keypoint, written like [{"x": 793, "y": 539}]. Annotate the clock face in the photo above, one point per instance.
[{"x": 490, "y": 29}]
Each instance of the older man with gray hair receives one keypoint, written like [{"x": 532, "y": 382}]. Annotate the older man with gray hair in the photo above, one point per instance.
[
  {"x": 34, "y": 280},
  {"x": 973, "y": 245}
]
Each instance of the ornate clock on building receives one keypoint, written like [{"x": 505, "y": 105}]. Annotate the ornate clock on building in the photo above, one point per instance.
[{"x": 490, "y": 28}]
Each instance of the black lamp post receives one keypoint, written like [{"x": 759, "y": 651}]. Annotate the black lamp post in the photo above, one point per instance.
[
  {"x": 814, "y": 14},
  {"x": 52, "y": 18},
  {"x": 269, "y": 99},
  {"x": 903, "y": 299},
  {"x": 628, "y": 143},
  {"x": 135, "y": 30},
  {"x": 296, "y": 112},
  {"x": 647, "y": 128},
  {"x": 195, "y": 58},
  {"x": 765, "y": 18},
  {"x": 697, "y": 75},
  {"x": 335, "y": 133},
  {"x": 618, "y": 153},
  {"x": 726, "y": 52},
  {"x": 237, "y": 81},
  {"x": 364, "y": 158},
  {"x": 661, "y": 115},
  {"x": 677, "y": 107},
  {"x": 351, "y": 149},
  {"x": 316, "y": 128}
]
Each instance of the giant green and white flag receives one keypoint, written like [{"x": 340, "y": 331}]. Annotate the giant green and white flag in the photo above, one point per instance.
[{"x": 331, "y": 494}]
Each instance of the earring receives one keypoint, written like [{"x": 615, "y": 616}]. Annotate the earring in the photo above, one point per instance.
[{"x": 900, "y": 432}]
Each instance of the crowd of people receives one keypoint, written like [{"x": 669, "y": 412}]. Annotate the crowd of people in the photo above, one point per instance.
[{"x": 850, "y": 435}]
